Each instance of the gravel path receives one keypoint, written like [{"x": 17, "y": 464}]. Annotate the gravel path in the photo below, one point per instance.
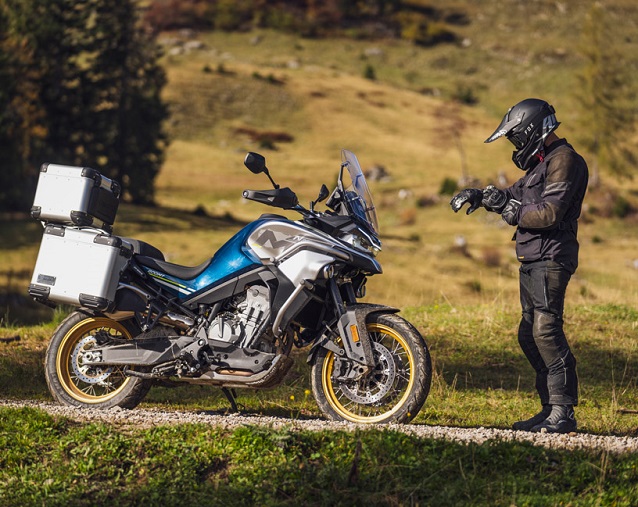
[{"x": 152, "y": 417}]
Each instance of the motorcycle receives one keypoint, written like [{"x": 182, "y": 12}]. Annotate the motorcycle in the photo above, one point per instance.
[{"x": 232, "y": 321}]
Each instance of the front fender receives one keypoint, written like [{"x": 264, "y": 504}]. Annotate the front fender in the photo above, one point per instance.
[{"x": 354, "y": 333}]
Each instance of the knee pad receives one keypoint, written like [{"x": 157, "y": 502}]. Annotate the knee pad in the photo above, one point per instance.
[{"x": 546, "y": 325}]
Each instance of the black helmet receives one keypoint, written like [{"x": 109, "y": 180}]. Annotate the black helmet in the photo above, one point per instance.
[{"x": 526, "y": 126}]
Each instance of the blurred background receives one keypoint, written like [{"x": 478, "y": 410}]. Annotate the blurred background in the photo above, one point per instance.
[{"x": 167, "y": 96}]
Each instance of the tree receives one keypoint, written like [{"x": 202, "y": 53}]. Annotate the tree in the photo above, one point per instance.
[
  {"x": 22, "y": 128},
  {"x": 80, "y": 85},
  {"x": 125, "y": 94},
  {"x": 9, "y": 152},
  {"x": 606, "y": 98}
]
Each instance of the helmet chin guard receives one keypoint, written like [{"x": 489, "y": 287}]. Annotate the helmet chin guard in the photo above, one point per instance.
[{"x": 526, "y": 125}]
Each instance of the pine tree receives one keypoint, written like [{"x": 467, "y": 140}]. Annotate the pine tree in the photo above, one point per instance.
[
  {"x": 606, "y": 98},
  {"x": 9, "y": 154},
  {"x": 80, "y": 85},
  {"x": 125, "y": 94}
]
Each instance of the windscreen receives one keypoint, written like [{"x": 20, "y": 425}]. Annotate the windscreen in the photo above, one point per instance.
[{"x": 358, "y": 194}]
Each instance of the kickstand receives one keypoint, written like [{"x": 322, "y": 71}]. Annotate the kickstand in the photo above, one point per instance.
[{"x": 230, "y": 396}]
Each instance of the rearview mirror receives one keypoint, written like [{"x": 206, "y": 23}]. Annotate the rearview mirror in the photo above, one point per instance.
[
  {"x": 255, "y": 162},
  {"x": 323, "y": 193}
]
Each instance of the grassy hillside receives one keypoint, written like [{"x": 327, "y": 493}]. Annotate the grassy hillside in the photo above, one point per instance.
[
  {"x": 244, "y": 91},
  {"x": 268, "y": 84}
]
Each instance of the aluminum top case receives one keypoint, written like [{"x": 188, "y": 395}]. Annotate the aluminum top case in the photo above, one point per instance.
[
  {"x": 80, "y": 267},
  {"x": 75, "y": 196}
]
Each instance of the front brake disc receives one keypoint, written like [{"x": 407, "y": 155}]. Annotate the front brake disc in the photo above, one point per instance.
[{"x": 377, "y": 384}]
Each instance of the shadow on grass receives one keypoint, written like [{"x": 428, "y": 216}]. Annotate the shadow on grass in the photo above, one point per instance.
[
  {"x": 22, "y": 372},
  {"x": 20, "y": 231},
  {"x": 158, "y": 219},
  {"x": 22, "y": 376},
  {"x": 18, "y": 309},
  {"x": 599, "y": 368}
]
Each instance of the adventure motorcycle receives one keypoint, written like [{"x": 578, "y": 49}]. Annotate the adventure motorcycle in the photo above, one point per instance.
[{"x": 232, "y": 321}]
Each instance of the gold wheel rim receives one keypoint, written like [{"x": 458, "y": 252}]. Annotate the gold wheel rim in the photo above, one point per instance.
[
  {"x": 67, "y": 373},
  {"x": 333, "y": 398}
]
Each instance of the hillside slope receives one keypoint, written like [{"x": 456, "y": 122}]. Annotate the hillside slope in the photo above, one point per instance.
[{"x": 243, "y": 91}]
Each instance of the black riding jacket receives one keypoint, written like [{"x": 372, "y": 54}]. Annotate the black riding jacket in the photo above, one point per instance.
[{"x": 551, "y": 196}]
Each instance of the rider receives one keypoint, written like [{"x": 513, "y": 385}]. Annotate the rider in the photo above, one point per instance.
[{"x": 544, "y": 205}]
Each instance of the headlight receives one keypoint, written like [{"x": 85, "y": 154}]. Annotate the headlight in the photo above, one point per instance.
[{"x": 362, "y": 243}]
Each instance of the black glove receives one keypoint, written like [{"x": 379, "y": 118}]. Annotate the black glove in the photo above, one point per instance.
[
  {"x": 510, "y": 212},
  {"x": 494, "y": 199},
  {"x": 473, "y": 196}
]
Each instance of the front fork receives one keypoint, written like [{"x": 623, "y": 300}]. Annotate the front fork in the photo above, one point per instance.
[{"x": 351, "y": 327}]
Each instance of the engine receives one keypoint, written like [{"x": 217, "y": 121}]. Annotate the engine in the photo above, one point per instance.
[{"x": 243, "y": 326}]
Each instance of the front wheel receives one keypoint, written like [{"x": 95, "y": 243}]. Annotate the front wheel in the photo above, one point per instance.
[
  {"x": 72, "y": 382},
  {"x": 394, "y": 391}
]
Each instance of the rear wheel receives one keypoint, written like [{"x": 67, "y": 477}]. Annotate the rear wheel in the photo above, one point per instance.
[
  {"x": 394, "y": 391},
  {"x": 72, "y": 382}
]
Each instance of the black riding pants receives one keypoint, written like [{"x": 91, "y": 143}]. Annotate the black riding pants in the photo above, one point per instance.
[{"x": 540, "y": 334}]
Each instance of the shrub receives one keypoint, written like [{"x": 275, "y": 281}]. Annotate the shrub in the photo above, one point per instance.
[
  {"x": 465, "y": 95},
  {"x": 174, "y": 14},
  {"x": 474, "y": 286},
  {"x": 232, "y": 15},
  {"x": 421, "y": 30},
  {"x": 448, "y": 187},
  {"x": 369, "y": 73},
  {"x": 621, "y": 207}
]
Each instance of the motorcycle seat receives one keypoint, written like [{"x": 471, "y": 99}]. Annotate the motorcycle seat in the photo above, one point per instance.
[
  {"x": 143, "y": 248},
  {"x": 181, "y": 272}
]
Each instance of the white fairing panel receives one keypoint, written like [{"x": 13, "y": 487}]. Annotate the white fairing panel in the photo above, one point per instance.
[
  {"x": 272, "y": 240},
  {"x": 299, "y": 253},
  {"x": 304, "y": 265}
]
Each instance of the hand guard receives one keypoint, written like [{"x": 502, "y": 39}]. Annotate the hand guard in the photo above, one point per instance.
[
  {"x": 494, "y": 199},
  {"x": 510, "y": 212},
  {"x": 473, "y": 196}
]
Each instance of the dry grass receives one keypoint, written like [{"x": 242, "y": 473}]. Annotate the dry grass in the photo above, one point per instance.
[
  {"x": 330, "y": 106},
  {"x": 326, "y": 104}
]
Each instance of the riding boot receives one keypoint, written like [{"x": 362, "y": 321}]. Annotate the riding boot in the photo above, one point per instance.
[
  {"x": 528, "y": 424},
  {"x": 560, "y": 420}
]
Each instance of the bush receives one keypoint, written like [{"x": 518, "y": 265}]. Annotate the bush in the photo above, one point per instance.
[
  {"x": 369, "y": 73},
  {"x": 232, "y": 15},
  {"x": 465, "y": 95},
  {"x": 621, "y": 207},
  {"x": 491, "y": 257},
  {"x": 448, "y": 187},
  {"x": 175, "y": 14},
  {"x": 408, "y": 216},
  {"x": 421, "y": 30}
]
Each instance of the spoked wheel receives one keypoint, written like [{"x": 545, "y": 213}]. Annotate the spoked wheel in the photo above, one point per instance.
[
  {"x": 394, "y": 391},
  {"x": 73, "y": 382}
]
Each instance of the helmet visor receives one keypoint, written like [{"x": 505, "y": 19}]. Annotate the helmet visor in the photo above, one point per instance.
[{"x": 506, "y": 126}]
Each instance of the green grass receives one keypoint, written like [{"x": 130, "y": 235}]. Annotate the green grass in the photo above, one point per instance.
[
  {"x": 480, "y": 376},
  {"x": 53, "y": 461}
]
